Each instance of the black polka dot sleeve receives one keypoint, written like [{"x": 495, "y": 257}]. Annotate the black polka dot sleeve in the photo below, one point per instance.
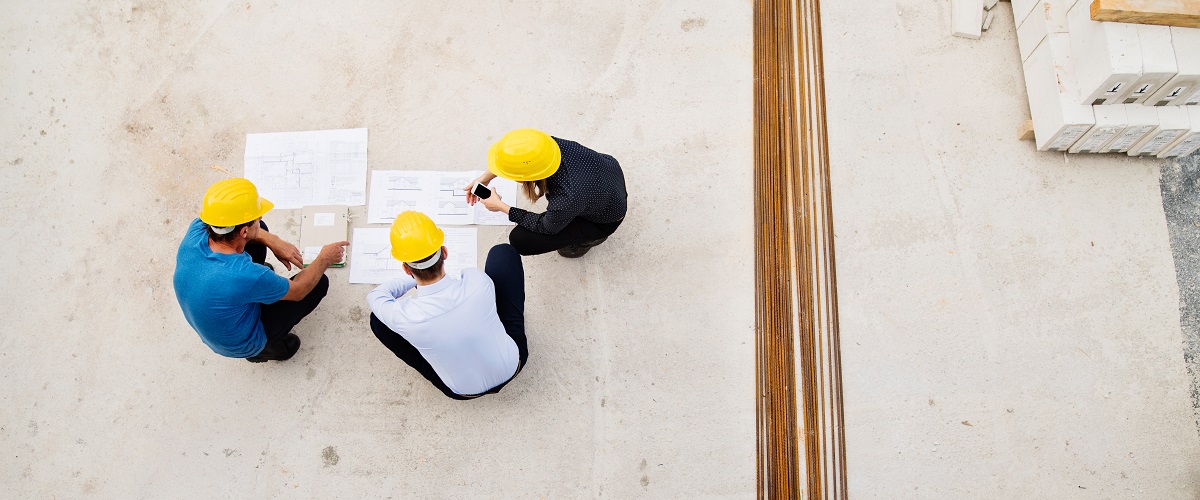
[{"x": 587, "y": 184}]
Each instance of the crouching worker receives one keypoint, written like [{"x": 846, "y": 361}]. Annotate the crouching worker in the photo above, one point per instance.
[
  {"x": 465, "y": 334},
  {"x": 229, "y": 295}
]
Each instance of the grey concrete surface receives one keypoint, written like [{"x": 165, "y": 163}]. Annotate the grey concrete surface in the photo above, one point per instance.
[
  {"x": 640, "y": 380},
  {"x": 1010, "y": 321},
  {"x": 1181, "y": 202}
]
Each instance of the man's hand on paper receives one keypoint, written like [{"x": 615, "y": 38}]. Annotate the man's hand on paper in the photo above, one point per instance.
[
  {"x": 483, "y": 179},
  {"x": 287, "y": 253},
  {"x": 332, "y": 253},
  {"x": 494, "y": 203}
]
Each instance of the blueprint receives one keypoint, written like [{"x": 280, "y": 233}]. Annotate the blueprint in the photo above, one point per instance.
[
  {"x": 321, "y": 167},
  {"x": 371, "y": 258},
  {"x": 439, "y": 195}
]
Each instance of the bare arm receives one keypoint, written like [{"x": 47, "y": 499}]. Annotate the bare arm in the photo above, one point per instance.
[
  {"x": 287, "y": 253},
  {"x": 307, "y": 279}
]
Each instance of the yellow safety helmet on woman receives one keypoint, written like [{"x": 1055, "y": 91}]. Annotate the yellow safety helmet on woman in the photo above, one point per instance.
[
  {"x": 524, "y": 155},
  {"x": 231, "y": 202},
  {"x": 415, "y": 237}
]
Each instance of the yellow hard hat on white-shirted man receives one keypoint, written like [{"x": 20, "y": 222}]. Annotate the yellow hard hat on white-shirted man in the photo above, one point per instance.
[
  {"x": 524, "y": 155},
  {"x": 415, "y": 237},
  {"x": 231, "y": 202}
]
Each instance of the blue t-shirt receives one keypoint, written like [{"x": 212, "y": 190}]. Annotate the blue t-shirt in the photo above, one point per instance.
[{"x": 220, "y": 294}]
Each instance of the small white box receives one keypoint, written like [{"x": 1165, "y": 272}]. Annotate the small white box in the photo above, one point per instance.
[
  {"x": 1110, "y": 122},
  {"x": 1107, "y": 56},
  {"x": 1141, "y": 120},
  {"x": 1173, "y": 122},
  {"x": 1058, "y": 118},
  {"x": 1048, "y": 16},
  {"x": 966, "y": 18},
  {"x": 1185, "y": 43},
  {"x": 1158, "y": 63},
  {"x": 1189, "y": 142}
]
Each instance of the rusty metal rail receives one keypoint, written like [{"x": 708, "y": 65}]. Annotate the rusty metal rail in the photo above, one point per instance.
[{"x": 799, "y": 413}]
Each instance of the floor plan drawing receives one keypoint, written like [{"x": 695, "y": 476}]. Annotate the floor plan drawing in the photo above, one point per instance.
[{"x": 293, "y": 169}]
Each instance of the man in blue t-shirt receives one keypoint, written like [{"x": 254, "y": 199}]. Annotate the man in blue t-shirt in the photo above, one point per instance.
[{"x": 237, "y": 304}]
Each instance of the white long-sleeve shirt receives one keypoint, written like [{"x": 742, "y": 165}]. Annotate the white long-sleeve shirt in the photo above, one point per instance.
[{"x": 453, "y": 323}]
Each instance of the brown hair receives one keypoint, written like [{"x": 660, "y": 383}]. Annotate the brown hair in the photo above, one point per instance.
[
  {"x": 534, "y": 190},
  {"x": 227, "y": 237},
  {"x": 430, "y": 273}
]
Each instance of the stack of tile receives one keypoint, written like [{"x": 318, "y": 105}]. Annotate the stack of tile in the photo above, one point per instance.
[{"x": 1105, "y": 87}]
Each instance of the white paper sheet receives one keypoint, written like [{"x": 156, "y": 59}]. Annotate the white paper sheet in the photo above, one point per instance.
[
  {"x": 437, "y": 194},
  {"x": 371, "y": 258},
  {"x": 321, "y": 167}
]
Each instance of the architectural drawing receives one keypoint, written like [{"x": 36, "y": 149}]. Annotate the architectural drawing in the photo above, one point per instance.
[
  {"x": 294, "y": 169},
  {"x": 371, "y": 258},
  {"x": 437, "y": 194}
]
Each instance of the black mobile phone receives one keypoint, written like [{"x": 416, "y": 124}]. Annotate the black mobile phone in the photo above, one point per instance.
[{"x": 482, "y": 191}]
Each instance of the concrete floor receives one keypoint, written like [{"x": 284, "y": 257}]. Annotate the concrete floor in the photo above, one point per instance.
[
  {"x": 640, "y": 382},
  {"x": 1010, "y": 319}
]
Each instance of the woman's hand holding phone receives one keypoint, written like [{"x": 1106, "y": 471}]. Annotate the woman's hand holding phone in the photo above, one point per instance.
[{"x": 481, "y": 180}]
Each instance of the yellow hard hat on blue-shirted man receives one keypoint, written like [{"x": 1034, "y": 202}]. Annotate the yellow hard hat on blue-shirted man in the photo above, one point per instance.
[
  {"x": 524, "y": 155},
  {"x": 231, "y": 202},
  {"x": 415, "y": 237}
]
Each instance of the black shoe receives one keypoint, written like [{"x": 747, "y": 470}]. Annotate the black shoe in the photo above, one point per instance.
[
  {"x": 577, "y": 251},
  {"x": 291, "y": 342}
]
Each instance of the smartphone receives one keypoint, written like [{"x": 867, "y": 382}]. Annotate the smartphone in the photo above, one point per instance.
[{"x": 481, "y": 191}]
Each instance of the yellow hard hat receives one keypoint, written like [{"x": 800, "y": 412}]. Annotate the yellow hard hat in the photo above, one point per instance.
[
  {"x": 524, "y": 155},
  {"x": 231, "y": 202},
  {"x": 415, "y": 237}
]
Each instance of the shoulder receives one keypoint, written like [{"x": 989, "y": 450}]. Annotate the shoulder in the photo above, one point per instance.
[
  {"x": 474, "y": 276},
  {"x": 196, "y": 231}
]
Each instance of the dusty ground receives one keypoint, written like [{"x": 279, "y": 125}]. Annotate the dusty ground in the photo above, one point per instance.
[
  {"x": 640, "y": 381},
  {"x": 1010, "y": 318}
]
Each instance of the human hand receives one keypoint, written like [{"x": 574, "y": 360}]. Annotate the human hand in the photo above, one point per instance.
[
  {"x": 332, "y": 253},
  {"x": 494, "y": 203},
  {"x": 287, "y": 254},
  {"x": 483, "y": 179}
]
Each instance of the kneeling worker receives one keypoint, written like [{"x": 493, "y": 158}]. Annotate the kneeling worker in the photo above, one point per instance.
[
  {"x": 465, "y": 334},
  {"x": 237, "y": 304}
]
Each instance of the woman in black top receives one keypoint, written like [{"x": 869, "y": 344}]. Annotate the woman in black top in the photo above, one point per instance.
[{"x": 584, "y": 190}]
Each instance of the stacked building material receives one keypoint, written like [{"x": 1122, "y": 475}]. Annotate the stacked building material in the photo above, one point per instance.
[{"x": 1108, "y": 87}]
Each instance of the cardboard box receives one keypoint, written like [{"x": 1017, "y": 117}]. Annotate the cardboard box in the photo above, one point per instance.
[
  {"x": 1058, "y": 118},
  {"x": 1173, "y": 122},
  {"x": 1185, "y": 43},
  {"x": 1107, "y": 56},
  {"x": 1189, "y": 142},
  {"x": 1048, "y": 16},
  {"x": 1110, "y": 122},
  {"x": 1158, "y": 63},
  {"x": 1140, "y": 121}
]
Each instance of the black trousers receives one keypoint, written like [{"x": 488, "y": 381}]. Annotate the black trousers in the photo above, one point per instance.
[
  {"x": 504, "y": 267},
  {"x": 577, "y": 231},
  {"x": 279, "y": 318}
]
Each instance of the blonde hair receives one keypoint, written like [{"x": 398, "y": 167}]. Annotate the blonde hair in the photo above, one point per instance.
[{"x": 534, "y": 190}]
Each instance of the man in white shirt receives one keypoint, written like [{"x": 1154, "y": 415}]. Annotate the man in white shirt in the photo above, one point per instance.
[{"x": 465, "y": 334}]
